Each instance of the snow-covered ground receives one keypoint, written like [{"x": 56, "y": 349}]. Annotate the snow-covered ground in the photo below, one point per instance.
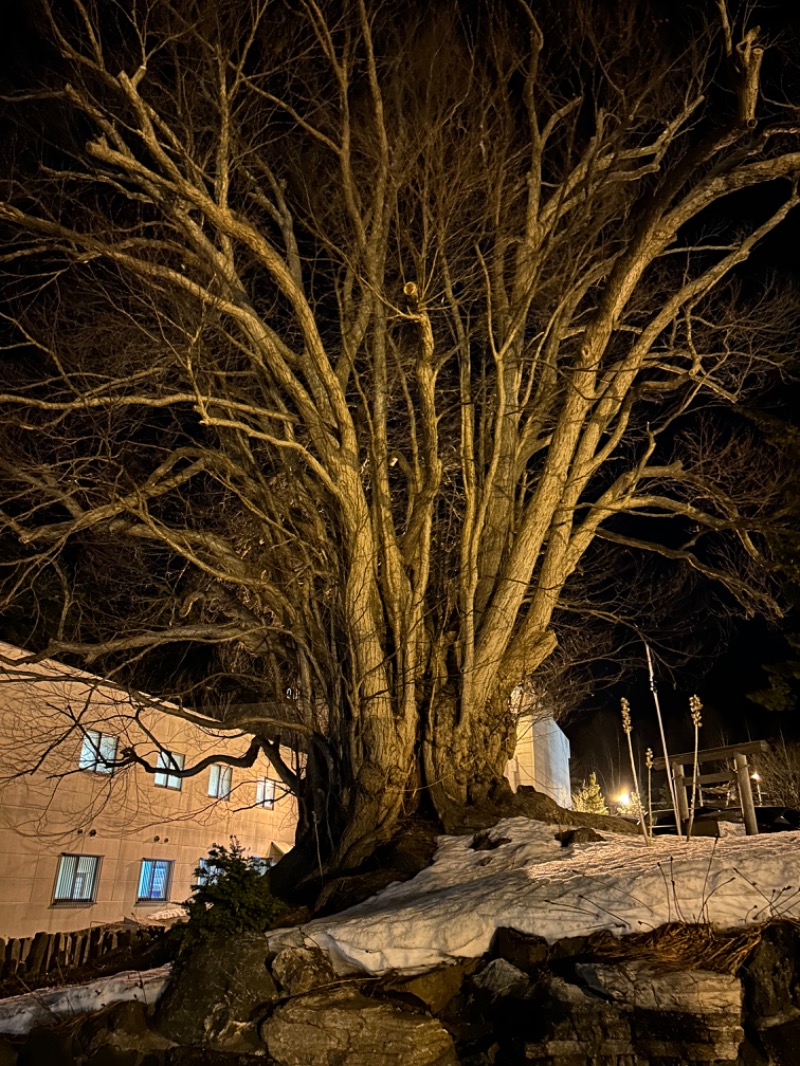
[
  {"x": 524, "y": 879},
  {"x": 20, "y": 1014},
  {"x": 532, "y": 883}
]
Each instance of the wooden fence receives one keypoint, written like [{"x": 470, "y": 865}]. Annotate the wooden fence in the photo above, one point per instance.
[{"x": 32, "y": 957}]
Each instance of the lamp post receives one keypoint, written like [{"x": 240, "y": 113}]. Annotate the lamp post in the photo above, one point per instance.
[{"x": 757, "y": 778}]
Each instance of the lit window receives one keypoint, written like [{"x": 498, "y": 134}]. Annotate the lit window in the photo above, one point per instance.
[
  {"x": 98, "y": 752},
  {"x": 206, "y": 872},
  {"x": 265, "y": 792},
  {"x": 169, "y": 760},
  {"x": 76, "y": 879},
  {"x": 154, "y": 879},
  {"x": 262, "y": 865},
  {"x": 219, "y": 782}
]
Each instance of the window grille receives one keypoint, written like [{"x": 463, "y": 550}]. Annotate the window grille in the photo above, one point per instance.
[
  {"x": 154, "y": 879},
  {"x": 76, "y": 879}
]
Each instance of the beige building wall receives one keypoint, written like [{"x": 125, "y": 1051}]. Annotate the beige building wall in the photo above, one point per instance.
[{"x": 50, "y": 807}]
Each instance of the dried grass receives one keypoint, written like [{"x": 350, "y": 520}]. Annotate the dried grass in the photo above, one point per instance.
[{"x": 681, "y": 945}]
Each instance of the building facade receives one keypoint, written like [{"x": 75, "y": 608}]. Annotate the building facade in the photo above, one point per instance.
[
  {"x": 83, "y": 843},
  {"x": 542, "y": 752}
]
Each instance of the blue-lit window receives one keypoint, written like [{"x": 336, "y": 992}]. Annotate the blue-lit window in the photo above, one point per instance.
[
  {"x": 154, "y": 879},
  {"x": 76, "y": 879},
  {"x": 206, "y": 873},
  {"x": 261, "y": 865},
  {"x": 169, "y": 760},
  {"x": 98, "y": 752}
]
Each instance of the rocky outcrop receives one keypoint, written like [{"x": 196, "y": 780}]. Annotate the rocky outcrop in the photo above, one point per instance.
[
  {"x": 216, "y": 996},
  {"x": 344, "y": 1025},
  {"x": 606, "y": 1013},
  {"x": 580, "y": 1002},
  {"x": 299, "y": 970},
  {"x": 771, "y": 980}
]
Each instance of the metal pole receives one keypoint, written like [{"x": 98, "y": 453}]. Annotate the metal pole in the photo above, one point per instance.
[{"x": 670, "y": 782}]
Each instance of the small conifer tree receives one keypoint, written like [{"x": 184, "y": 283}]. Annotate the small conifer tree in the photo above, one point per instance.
[{"x": 589, "y": 797}]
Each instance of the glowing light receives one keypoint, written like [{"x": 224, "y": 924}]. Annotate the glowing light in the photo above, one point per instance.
[{"x": 624, "y": 799}]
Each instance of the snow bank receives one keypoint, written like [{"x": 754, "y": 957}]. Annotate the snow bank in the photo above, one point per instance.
[
  {"x": 529, "y": 881},
  {"x": 20, "y": 1014},
  {"x": 521, "y": 877}
]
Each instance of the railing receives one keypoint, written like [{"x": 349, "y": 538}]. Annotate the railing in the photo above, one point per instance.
[{"x": 739, "y": 775}]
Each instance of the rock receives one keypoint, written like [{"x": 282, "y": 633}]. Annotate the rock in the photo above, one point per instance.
[
  {"x": 638, "y": 985},
  {"x": 486, "y": 842},
  {"x": 206, "y": 1056},
  {"x": 434, "y": 989},
  {"x": 583, "y": 834},
  {"x": 342, "y": 1026},
  {"x": 689, "y": 1015},
  {"x": 50, "y": 1046},
  {"x": 115, "y": 1056},
  {"x": 777, "y": 1045},
  {"x": 570, "y": 947},
  {"x": 771, "y": 975},
  {"x": 499, "y": 979},
  {"x": 524, "y": 950},
  {"x": 621, "y": 1013},
  {"x": 213, "y": 998},
  {"x": 299, "y": 970},
  {"x": 120, "y": 1036}
]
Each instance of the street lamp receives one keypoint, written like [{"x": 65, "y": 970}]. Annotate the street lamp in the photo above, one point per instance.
[{"x": 757, "y": 779}]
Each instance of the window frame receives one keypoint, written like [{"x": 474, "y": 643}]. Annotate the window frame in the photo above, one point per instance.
[
  {"x": 169, "y": 865},
  {"x": 72, "y": 900},
  {"x": 168, "y": 762},
  {"x": 266, "y": 804},
  {"x": 220, "y": 781},
  {"x": 91, "y": 757}
]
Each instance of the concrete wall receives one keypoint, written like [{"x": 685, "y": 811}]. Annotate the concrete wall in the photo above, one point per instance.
[{"x": 50, "y": 807}]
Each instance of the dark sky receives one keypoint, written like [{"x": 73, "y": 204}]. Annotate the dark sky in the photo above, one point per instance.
[
  {"x": 728, "y": 716},
  {"x": 596, "y": 736}
]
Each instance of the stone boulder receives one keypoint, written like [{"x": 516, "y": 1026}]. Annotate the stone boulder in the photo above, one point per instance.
[
  {"x": 524, "y": 950},
  {"x": 582, "y": 834},
  {"x": 120, "y": 1036},
  {"x": 299, "y": 970},
  {"x": 344, "y": 1026},
  {"x": 433, "y": 989},
  {"x": 771, "y": 974},
  {"x": 214, "y": 999}
]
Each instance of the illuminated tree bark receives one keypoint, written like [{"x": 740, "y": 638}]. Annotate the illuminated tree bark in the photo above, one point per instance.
[{"x": 361, "y": 334}]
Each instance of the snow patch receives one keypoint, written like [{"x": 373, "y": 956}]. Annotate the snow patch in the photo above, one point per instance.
[
  {"x": 47, "y": 1006},
  {"x": 530, "y": 882}
]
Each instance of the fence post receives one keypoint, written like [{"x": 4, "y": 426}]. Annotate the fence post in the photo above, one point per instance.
[{"x": 746, "y": 795}]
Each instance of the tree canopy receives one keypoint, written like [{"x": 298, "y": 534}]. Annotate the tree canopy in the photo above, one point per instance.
[{"x": 357, "y": 351}]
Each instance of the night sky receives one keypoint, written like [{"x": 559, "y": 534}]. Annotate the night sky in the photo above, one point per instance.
[
  {"x": 595, "y": 733},
  {"x": 721, "y": 681}
]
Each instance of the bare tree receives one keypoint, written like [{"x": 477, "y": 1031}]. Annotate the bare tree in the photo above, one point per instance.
[
  {"x": 779, "y": 770},
  {"x": 353, "y": 338}
]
